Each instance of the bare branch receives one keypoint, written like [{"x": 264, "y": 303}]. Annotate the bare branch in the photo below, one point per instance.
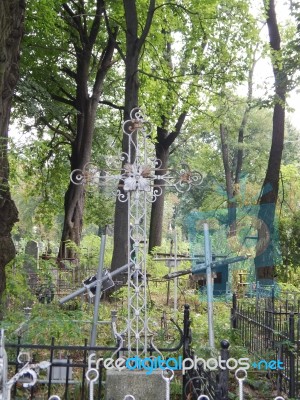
[
  {"x": 111, "y": 34},
  {"x": 186, "y": 10},
  {"x": 96, "y": 22},
  {"x": 174, "y": 134},
  {"x": 69, "y": 72},
  {"x": 104, "y": 64},
  {"x": 148, "y": 23},
  {"x": 75, "y": 21},
  {"x": 112, "y": 105},
  {"x": 57, "y": 130},
  {"x": 62, "y": 99},
  {"x": 63, "y": 90}
]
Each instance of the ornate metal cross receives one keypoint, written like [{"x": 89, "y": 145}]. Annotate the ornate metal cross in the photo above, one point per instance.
[{"x": 139, "y": 184}]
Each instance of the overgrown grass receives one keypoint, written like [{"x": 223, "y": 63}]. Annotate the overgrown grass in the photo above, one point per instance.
[{"x": 71, "y": 324}]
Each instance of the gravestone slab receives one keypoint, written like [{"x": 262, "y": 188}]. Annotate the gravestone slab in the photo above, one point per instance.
[
  {"x": 135, "y": 383},
  {"x": 31, "y": 262},
  {"x": 59, "y": 373}
]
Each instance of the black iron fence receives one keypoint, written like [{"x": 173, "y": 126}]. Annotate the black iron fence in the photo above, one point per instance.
[
  {"x": 199, "y": 380},
  {"x": 66, "y": 375},
  {"x": 58, "y": 282},
  {"x": 270, "y": 329}
]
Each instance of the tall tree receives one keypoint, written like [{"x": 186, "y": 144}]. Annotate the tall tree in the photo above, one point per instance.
[
  {"x": 164, "y": 140},
  {"x": 79, "y": 53},
  {"x": 233, "y": 165},
  {"x": 136, "y": 34},
  {"x": 11, "y": 31},
  {"x": 194, "y": 76},
  {"x": 270, "y": 188},
  {"x": 86, "y": 104}
]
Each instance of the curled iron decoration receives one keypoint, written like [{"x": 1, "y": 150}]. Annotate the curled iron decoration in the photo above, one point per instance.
[
  {"x": 187, "y": 179},
  {"x": 181, "y": 180},
  {"x": 157, "y": 192},
  {"x": 89, "y": 174},
  {"x": 144, "y": 174},
  {"x": 137, "y": 122}
]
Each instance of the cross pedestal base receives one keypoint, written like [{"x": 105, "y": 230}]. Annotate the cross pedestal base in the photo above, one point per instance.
[{"x": 135, "y": 383}]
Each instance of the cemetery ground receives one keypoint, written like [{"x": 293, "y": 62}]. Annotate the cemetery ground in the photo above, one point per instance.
[{"x": 40, "y": 322}]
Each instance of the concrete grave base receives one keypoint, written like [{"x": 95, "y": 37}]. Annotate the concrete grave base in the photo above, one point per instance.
[{"x": 135, "y": 383}]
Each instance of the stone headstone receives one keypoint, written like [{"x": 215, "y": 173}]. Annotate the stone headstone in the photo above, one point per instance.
[
  {"x": 59, "y": 373},
  {"x": 31, "y": 262}
]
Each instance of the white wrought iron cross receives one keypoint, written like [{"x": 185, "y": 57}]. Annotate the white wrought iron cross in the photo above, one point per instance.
[{"x": 140, "y": 182}]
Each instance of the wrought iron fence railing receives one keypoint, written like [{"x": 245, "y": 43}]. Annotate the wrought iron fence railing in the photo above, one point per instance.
[
  {"x": 66, "y": 376},
  {"x": 271, "y": 330},
  {"x": 198, "y": 381}
]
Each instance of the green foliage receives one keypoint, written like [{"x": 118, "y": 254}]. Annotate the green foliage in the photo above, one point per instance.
[
  {"x": 203, "y": 152},
  {"x": 18, "y": 294},
  {"x": 289, "y": 239},
  {"x": 194, "y": 57},
  {"x": 201, "y": 55},
  {"x": 99, "y": 209},
  {"x": 291, "y": 151},
  {"x": 289, "y": 224},
  {"x": 187, "y": 65},
  {"x": 38, "y": 182},
  {"x": 291, "y": 50}
]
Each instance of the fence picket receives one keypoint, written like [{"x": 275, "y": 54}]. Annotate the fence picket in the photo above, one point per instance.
[{"x": 274, "y": 325}]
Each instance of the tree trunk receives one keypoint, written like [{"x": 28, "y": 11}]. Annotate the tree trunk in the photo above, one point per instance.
[
  {"x": 133, "y": 49},
  {"x": 269, "y": 193},
  {"x": 157, "y": 209},
  {"x": 162, "y": 148},
  {"x": 239, "y": 154},
  {"x": 233, "y": 170},
  {"x": 74, "y": 197},
  {"x": 11, "y": 31},
  {"x": 231, "y": 203},
  {"x": 120, "y": 253},
  {"x": 86, "y": 106}
]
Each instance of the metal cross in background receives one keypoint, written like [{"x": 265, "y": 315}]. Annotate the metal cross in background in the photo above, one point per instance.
[{"x": 139, "y": 184}]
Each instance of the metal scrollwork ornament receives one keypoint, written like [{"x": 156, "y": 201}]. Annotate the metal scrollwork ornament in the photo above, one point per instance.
[{"x": 139, "y": 181}]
